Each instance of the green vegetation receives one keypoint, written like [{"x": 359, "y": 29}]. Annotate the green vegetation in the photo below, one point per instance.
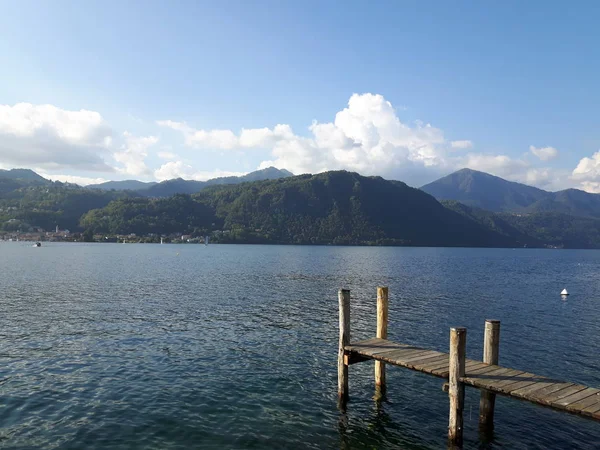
[
  {"x": 485, "y": 191},
  {"x": 329, "y": 208},
  {"x": 50, "y": 205},
  {"x": 177, "y": 214}
]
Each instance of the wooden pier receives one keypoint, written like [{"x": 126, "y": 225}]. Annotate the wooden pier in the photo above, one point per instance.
[{"x": 485, "y": 375}]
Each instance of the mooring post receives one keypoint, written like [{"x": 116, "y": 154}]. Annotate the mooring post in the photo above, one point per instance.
[
  {"x": 344, "y": 300},
  {"x": 456, "y": 389},
  {"x": 382, "y": 326},
  {"x": 491, "y": 345}
]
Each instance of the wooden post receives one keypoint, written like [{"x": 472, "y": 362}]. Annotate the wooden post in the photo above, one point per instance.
[
  {"x": 456, "y": 389},
  {"x": 491, "y": 345},
  {"x": 344, "y": 300},
  {"x": 382, "y": 326}
]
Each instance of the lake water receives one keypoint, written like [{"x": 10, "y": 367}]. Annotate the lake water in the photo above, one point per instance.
[{"x": 165, "y": 346}]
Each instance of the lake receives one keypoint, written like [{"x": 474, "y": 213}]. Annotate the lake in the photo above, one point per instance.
[{"x": 186, "y": 346}]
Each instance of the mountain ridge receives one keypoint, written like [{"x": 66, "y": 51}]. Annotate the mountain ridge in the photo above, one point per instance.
[{"x": 482, "y": 190}]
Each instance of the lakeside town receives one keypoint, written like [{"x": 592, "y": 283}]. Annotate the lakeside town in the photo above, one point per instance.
[{"x": 58, "y": 235}]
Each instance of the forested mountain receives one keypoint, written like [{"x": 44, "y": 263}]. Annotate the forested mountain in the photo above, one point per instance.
[
  {"x": 181, "y": 186},
  {"x": 328, "y": 208},
  {"x": 125, "y": 185},
  {"x": 542, "y": 229},
  {"x": 485, "y": 191},
  {"x": 23, "y": 175},
  {"x": 49, "y": 205},
  {"x": 13, "y": 179},
  {"x": 482, "y": 190}
]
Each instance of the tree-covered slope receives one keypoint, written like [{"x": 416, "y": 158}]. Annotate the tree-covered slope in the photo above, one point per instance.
[
  {"x": 50, "y": 205},
  {"x": 329, "y": 208},
  {"x": 180, "y": 186},
  {"x": 485, "y": 191}
]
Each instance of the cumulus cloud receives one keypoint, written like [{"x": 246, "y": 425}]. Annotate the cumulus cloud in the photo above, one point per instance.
[
  {"x": 179, "y": 169},
  {"x": 544, "y": 153},
  {"x": 53, "y": 138},
  {"x": 133, "y": 154},
  {"x": 366, "y": 136},
  {"x": 587, "y": 173},
  {"x": 82, "y": 181},
  {"x": 499, "y": 165},
  {"x": 461, "y": 144}
]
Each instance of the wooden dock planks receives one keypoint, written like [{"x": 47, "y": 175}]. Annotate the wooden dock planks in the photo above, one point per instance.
[{"x": 561, "y": 395}]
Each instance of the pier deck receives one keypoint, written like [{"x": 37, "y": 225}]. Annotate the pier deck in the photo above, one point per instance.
[
  {"x": 486, "y": 375},
  {"x": 562, "y": 395}
]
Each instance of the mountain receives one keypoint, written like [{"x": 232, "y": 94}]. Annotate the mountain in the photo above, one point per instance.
[
  {"x": 540, "y": 229},
  {"x": 23, "y": 175},
  {"x": 329, "y": 208},
  {"x": 11, "y": 180},
  {"x": 485, "y": 191},
  {"x": 482, "y": 190},
  {"x": 125, "y": 185},
  {"x": 45, "y": 206},
  {"x": 181, "y": 186}
]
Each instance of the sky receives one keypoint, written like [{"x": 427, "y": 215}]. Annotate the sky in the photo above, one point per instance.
[{"x": 409, "y": 90}]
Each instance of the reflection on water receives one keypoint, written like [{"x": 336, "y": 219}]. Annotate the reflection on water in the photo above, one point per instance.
[{"x": 147, "y": 346}]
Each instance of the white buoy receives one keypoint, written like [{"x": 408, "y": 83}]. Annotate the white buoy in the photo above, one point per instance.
[{"x": 564, "y": 292}]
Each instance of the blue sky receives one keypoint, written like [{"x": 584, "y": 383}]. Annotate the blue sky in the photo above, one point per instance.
[{"x": 421, "y": 88}]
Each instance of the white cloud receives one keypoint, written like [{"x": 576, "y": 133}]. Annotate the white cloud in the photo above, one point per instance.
[
  {"x": 587, "y": 173},
  {"x": 82, "y": 181},
  {"x": 367, "y": 136},
  {"x": 461, "y": 144},
  {"x": 133, "y": 154},
  {"x": 179, "y": 169},
  {"x": 499, "y": 165},
  {"x": 591, "y": 186},
  {"x": 53, "y": 138},
  {"x": 544, "y": 153}
]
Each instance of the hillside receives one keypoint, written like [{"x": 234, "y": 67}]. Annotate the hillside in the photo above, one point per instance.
[
  {"x": 125, "y": 185},
  {"x": 180, "y": 186},
  {"x": 174, "y": 186},
  {"x": 329, "y": 208},
  {"x": 485, "y": 191},
  {"x": 11, "y": 180},
  {"x": 49, "y": 205}
]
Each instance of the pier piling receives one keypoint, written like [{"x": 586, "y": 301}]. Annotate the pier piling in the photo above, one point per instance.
[
  {"x": 344, "y": 303},
  {"x": 382, "y": 326},
  {"x": 491, "y": 345},
  {"x": 486, "y": 375},
  {"x": 456, "y": 388}
]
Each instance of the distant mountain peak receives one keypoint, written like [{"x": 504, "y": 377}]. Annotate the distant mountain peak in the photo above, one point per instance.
[
  {"x": 492, "y": 193},
  {"x": 22, "y": 174}
]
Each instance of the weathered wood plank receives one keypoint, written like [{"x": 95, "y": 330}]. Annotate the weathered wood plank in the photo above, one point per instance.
[
  {"x": 518, "y": 382},
  {"x": 395, "y": 356},
  {"x": 539, "y": 396},
  {"x": 421, "y": 356},
  {"x": 551, "y": 398},
  {"x": 523, "y": 391},
  {"x": 492, "y": 379},
  {"x": 581, "y": 405},
  {"x": 471, "y": 365},
  {"x": 434, "y": 362},
  {"x": 578, "y": 396}
]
